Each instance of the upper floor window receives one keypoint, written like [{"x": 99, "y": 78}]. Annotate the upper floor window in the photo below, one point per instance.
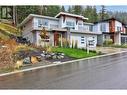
[
  {"x": 70, "y": 24},
  {"x": 90, "y": 28},
  {"x": 118, "y": 28},
  {"x": 103, "y": 27},
  {"x": 86, "y": 27},
  {"x": 42, "y": 23}
]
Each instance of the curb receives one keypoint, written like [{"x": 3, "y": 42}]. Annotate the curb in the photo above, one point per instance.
[{"x": 60, "y": 63}]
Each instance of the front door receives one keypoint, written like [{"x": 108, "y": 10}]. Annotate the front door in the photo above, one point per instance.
[{"x": 56, "y": 38}]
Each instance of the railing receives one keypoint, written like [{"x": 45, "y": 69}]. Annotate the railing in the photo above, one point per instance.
[{"x": 53, "y": 26}]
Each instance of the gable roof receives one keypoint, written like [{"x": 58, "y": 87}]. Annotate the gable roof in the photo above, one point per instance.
[{"x": 72, "y": 15}]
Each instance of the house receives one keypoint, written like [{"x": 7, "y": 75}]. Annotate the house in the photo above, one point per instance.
[
  {"x": 111, "y": 29},
  {"x": 64, "y": 25}
]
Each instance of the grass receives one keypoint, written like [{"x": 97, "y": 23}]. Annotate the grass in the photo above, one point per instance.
[
  {"x": 75, "y": 53},
  {"x": 120, "y": 46},
  {"x": 9, "y": 29}
]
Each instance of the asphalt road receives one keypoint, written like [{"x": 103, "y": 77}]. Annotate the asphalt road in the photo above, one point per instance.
[{"x": 101, "y": 73}]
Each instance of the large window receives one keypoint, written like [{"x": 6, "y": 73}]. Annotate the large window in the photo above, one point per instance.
[
  {"x": 42, "y": 22},
  {"x": 6, "y": 12},
  {"x": 103, "y": 27},
  {"x": 70, "y": 24}
]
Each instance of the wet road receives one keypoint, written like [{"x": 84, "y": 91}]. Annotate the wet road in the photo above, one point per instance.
[{"x": 101, "y": 73}]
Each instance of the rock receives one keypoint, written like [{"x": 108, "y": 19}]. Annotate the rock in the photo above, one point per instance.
[
  {"x": 39, "y": 58},
  {"x": 54, "y": 57},
  {"x": 62, "y": 56},
  {"x": 27, "y": 60},
  {"x": 48, "y": 56},
  {"x": 34, "y": 59},
  {"x": 43, "y": 55},
  {"x": 18, "y": 64}
]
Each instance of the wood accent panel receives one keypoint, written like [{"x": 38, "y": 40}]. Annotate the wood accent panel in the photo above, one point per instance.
[{"x": 112, "y": 25}]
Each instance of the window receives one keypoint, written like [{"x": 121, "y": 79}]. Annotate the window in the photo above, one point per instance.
[
  {"x": 42, "y": 22},
  {"x": 90, "y": 28},
  {"x": 103, "y": 27},
  {"x": 70, "y": 24},
  {"x": 118, "y": 28},
  {"x": 82, "y": 39}
]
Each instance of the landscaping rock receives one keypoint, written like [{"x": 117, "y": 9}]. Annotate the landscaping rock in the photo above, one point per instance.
[
  {"x": 27, "y": 60},
  {"x": 43, "y": 55},
  {"x": 34, "y": 60},
  {"x": 18, "y": 64}
]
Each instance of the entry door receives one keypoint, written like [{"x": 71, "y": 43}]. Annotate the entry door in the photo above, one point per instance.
[{"x": 56, "y": 38}]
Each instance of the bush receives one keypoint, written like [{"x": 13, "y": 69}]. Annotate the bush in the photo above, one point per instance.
[{"x": 108, "y": 42}]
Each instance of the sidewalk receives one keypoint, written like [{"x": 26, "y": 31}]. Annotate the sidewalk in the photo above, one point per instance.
[{"x": 107, "y": 50}]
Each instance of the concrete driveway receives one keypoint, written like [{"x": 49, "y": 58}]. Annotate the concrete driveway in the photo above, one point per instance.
[{"x": 110, "y": 49}]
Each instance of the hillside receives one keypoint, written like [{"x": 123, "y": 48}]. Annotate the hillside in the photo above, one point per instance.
[{"x": 7, "y": 30}]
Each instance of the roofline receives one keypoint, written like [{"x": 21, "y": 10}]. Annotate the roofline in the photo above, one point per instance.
[
  {"x": 88, "y": 23},
  {"x": 69, "y": 14},
  {"x": 109, "y": 19},
  {"x": 35, "y": 15}
]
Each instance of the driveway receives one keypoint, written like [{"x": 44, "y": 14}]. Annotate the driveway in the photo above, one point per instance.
[
  {"x": 109, "y": 72},
  {"x": 110, "y": 49}
]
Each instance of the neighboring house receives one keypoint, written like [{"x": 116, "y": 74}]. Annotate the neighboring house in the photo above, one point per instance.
[
  {"x": 111, "y": 29},
  {"x": 63, "y": 25}
]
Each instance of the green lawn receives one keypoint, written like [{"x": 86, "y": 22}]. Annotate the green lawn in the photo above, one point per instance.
[{"x": 75, "y": 53}]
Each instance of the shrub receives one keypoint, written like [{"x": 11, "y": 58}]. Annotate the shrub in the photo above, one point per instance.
[{"x": 108, "y": 42}]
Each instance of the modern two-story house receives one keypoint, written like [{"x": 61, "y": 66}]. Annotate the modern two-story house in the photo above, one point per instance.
[
  {"x": 63, "y": 25},
  {"x": 111, "y": 29}
]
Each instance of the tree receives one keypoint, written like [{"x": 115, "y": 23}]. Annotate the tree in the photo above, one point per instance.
[
  {"x": 69, "y": 9},
  {"x": 103, "y": 14},
  {"x": 77, "y": 9},
  {"x": 52, "y": 10},
  {"x": 91, "y": 13},
  {"x": 62, "y": 9},
  {"x": 24, "y": 11}
]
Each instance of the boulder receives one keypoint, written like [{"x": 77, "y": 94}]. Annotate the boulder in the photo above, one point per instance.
[
  {"x": 34, "y": 59},
  {"x": 18, "y": 64},
  {"x": 27, "y": 60}
]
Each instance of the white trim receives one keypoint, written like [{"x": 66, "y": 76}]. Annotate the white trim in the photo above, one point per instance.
[{"x": 63, "y": 13}]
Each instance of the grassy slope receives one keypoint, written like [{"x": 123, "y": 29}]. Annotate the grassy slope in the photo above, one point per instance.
[
  {"x": 75, "y": 53},
  {"x": 8, "y": 29}
]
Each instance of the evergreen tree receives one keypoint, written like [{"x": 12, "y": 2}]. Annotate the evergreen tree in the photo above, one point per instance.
[
  {"x": 91, "y": 13},
  {"x": 103, "y": 14},
  {"x": 52, "y": 10},
  {"x": 69, "y": 9},
  {"x": 77, "y": 9},
  {"x": 62, "y": 9}
]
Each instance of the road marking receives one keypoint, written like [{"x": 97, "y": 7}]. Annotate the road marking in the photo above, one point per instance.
[{"x": 55, "y": 64}]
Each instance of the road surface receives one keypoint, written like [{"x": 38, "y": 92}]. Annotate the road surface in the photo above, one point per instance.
[{"x": 101, "y": 73}]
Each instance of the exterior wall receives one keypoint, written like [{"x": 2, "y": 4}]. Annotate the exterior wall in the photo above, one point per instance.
[
  {"x": 123, "y": 39},
  {"x": 118, "y": 24},
  {"x": 117, "y": 39},
  {"x": 39, "y": 40},
  {"x": 77, "y": 37},
  {"x": 97, "y": 27},
  {"x": 27, "y": 31}
]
